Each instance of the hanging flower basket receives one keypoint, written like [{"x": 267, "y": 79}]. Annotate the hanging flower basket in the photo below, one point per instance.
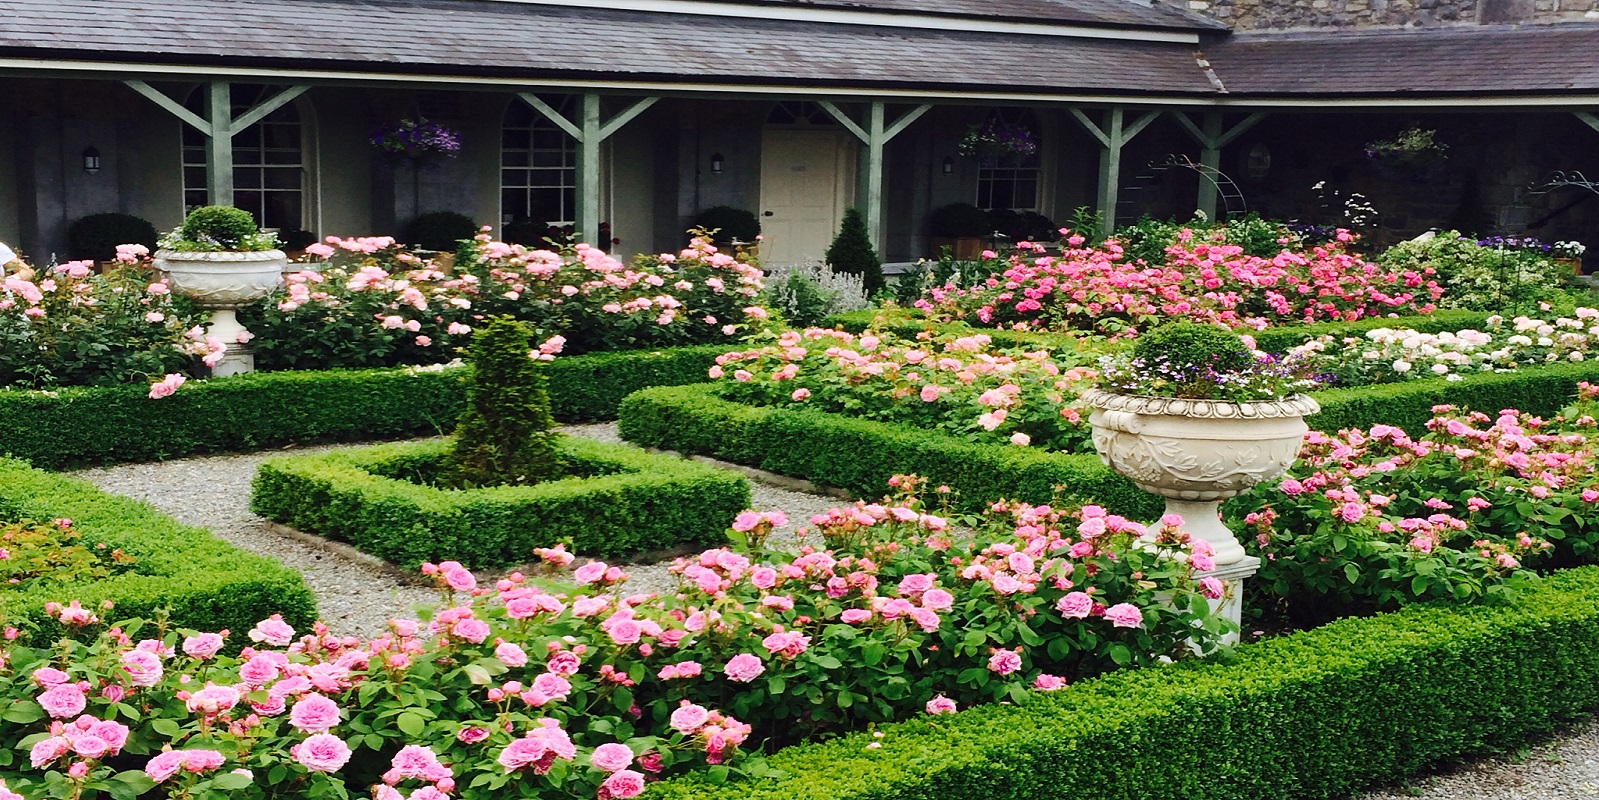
[
  {"x": 997, "y": 141},
  {"x": 1414, "y": 153},
  {"x": 416, "y": 141}
]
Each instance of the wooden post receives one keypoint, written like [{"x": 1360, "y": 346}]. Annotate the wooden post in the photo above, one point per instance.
[
  {"x": 1113, "y": 136},
  {"x": 589, "y": 132},
  {"x": 876, "y": 136},
  {"x": 1212, "y": 136}
]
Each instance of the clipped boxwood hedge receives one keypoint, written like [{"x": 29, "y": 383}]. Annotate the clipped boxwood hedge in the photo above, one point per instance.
[
  {"x": 620, "y": 501},
  {"x": 76, "y": 426},
  {"x": 1276, "y": 339},
  {"x": 859, "y": 456},
  {"x": 1317, "y": 714},
  {"x": 206, "y": 582}
]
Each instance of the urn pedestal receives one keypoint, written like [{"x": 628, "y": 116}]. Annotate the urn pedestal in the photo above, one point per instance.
[
  {"x": 221, "y": 282},
  {"x": 1196, "y": 453}
]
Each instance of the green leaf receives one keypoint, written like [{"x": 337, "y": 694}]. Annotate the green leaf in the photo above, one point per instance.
[
  {"x": 130, "y": 784},
  {"x": 477, "y": 674},
  {"x": 829, "y": 662},
  {"x": 166, "y": 727},
  {"x": 1120, "y": 654},
  {"x": 232, "y": 781},
  {"x": 411, "y": 723},
  {"x": 1351, "y": 572},
  {"x": 774, "y": 684}
]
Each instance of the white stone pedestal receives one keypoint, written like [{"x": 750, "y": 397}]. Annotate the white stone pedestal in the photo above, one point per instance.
[
  {"x": 238, "y": 359},
  {"x": 1231, "y": 604}
]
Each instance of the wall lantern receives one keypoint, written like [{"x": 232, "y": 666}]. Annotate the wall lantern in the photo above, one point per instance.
[
  {"x": 1259, "y": 161},
  {"x": 91, "y": 160},
  {"x": 949, "y": 165},
  {"x": 716, "y": 163}
]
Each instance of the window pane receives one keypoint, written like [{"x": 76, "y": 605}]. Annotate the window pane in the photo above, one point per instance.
[
  {"x": 282, "y": 211},
  {"x": 282, "y": 178},
  {"x": 513, "y": 202},
  {"x": 246, "y": 178}
]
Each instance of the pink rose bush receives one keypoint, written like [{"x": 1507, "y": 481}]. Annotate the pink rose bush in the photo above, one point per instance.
[
  {"x": 549, "y": 687},
  {"x": 369, "y": 302},
  {"x": 1376, "y": 519},
  {"x": 1202, "y": 277},
  {"x": 70, "y": 326},
  {"x": 959, "y": 384}
]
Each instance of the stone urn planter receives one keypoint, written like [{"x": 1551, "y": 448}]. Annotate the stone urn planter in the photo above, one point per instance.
[
  {"x": 1196, "y": 453},
  {"x": 221, "y": 281}
]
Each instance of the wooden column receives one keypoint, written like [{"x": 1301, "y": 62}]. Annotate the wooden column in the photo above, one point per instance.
[
  {"x": 590, "y": 131},
  {"x": 1212, "y": 137},
  {"x": 875, "y": 135},
  {"x": 219, "y": 126},
  {"x": 1113, "y": 136}
]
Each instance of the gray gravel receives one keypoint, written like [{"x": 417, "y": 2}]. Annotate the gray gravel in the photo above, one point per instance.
[
  {"x": 1564, "y": 768},
  {"x": 354, "y": 598}
]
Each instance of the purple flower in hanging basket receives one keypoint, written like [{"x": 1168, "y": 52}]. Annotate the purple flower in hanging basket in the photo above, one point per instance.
[
  {"x": 999, "y": 139},
  {"x": 416, "y": 140}
]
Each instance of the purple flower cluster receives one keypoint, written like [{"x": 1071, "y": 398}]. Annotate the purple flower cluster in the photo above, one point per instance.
[
  {"x": 416, "y": 138},
  {"x": 1512, "y": 243},
  {"x": 1268, "y": 378},
  {"x": 999, "y": 138}
]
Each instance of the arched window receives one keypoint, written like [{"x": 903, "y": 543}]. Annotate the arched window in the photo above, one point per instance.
[
  {"x": 1008, "y": 181},
  {"x": 270, "y": 173},
  {"x": 538, "y": 166}
]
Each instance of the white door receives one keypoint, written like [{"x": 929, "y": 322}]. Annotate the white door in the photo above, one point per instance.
[{"x": 806, "y": 176}]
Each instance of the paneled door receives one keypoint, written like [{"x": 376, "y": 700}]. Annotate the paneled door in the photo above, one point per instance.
[{"x": 806, "y": 177}]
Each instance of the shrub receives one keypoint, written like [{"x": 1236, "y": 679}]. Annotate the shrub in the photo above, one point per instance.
[
  {"x": 210, "y": 228},
  {"x": 203, "y": 580},
  {"x": 728, "y": 224},
  {"x": 75, "y": 328},
  {"x": 1357, "y": 702},
  {"x": 1483, "y": 278},
  {"x": 1024, "y": 226},
  {"x": 371, "y": 303},
  {"x": 806, "y": 293},
  {"x": 617, "y": 501},
  {"x": 438, "y": 230},
  {"x": 852, "y": 253},
  {"x": 78, "y": 426},
  {"x": 95, "y": 237},
  {"x": 959, "y": 221},
  {"x": 1190, "y": 346},
  {"x": 503, "y": 437}
]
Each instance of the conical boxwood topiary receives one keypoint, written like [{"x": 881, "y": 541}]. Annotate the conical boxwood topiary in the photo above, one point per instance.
[
  {"x": 852, "y": 252},
  {"x": 504, "y": 437}
]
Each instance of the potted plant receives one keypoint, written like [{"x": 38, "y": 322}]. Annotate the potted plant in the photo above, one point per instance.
[
  {"x": 727, "y": 225},
  {"x": 1569, "y": 254},
  {"x": 962, "y": 228},
  {"x": 1414, "y": 152},
  {"x": 416, "y": 140},
  {"x": 1192, "y": 414},
  {"x": 997, "y": 141},
  {"x": 220, "y": 259}
]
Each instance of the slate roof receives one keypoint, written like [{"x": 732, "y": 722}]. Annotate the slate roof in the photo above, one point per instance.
[
  {"x": 472, "y": 37},
  {"x": 1454, "y": 60},
  {"x": 1128, "y": 13}
]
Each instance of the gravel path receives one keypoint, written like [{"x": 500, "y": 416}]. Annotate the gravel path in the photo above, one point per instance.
[
  {"x": 354, "y": 598},
  {"x": 1564, "y": 768},
  {"x": 357, "y": 598}
]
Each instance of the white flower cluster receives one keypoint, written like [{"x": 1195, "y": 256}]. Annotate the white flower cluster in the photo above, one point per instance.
[{"x": 1386, "y": 355}]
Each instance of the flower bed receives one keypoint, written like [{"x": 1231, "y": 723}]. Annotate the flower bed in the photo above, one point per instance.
[
  {"x": 202, "y": 579},
  {"x": 1100, "y": 289},
  {"x": 618, "y": 501},
  {"x": 375, "y": 304},
  {"x": 75, "y": 426},
  {"x": 1351, "y": 704},
  {"x": 858, "y": 455},
  {"x": 562, "y": 686},
  {"x": 1387, "y": 355}
]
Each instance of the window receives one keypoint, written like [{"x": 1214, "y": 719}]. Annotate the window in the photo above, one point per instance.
[
  {"x": 269, "y": 169},
  {"x": 538, "y": 166},
  {"x": 1011, "y": 182}
]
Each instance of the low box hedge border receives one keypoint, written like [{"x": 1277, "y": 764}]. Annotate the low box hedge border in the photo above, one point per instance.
[
  {"x": 206, "y": 582},
  {"x": 859, "y": 455},
  {"x": 1317, "y": 714},
  {"x": 101, "y": 425},
  {"x": 630, "y": 501},
  {"x": 1276, "y": 339}
]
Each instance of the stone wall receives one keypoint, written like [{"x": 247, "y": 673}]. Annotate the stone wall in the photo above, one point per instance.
[{"x": 1256, "y": 15}]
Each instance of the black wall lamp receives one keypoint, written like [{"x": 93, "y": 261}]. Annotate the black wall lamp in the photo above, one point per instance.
[
  {"x": 91, "y": 160},
  {"x": 949, "y": 165},
  {"x": 716, "y": 162}
]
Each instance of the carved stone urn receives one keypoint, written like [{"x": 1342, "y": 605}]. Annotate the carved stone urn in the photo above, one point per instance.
[
  {"x": 220, "y": 282},
  {"x": 1196, "y": 453}
]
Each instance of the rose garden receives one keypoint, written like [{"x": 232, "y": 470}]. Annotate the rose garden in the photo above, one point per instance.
[{"x": 1229, "y": 510}]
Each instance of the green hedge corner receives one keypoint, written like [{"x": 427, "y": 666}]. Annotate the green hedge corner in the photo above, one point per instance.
[
  {"x": 620, "y": 501},
  {"x": 205, "y": 582}
]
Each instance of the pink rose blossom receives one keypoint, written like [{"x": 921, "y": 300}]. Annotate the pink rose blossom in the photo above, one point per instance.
[
  {"x": 689, "y": 718},
  {"x": 321, "y": 752},
  {"x": 1004, "y": 662},
  {"x": 744, "y": 668},
  {"x": 940, "y": 705},
  {"x": 611, "y": 757},
  {"x": 314, "y": 713},
  {"x": 621, "y": 785},
  {"x": 1124, "y": 615}
]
